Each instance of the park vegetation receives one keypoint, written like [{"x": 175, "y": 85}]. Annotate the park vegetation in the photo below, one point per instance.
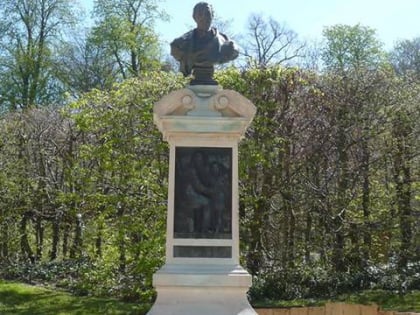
[{"x": 329, "y": 168}]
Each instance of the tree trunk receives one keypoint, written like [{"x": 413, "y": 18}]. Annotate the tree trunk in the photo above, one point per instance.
[
  {"x": 76, "y": 249},
  {"x": 255, "y": 255},
  {"x": 26, "y": 250},
  {"x": 4, "y": 239},
  {"x": 122, "y": 257},
  {"x": 325, "y": 234},
  {"x": 338, "y": 249},
  {"x": 134, "y": 65},
  {"x": 66, "y": 235},
  {"x": 39, "y": 237},
  {"x": 402, "y": 179},
  {"x": 342, "y": 191},
  {"x": 291, "y": 227},
  {"x": 288, "y": 198},
  {"x": 308, "y": 229},
  {"x": 55, "y": 238},
  {"x": 355, "y": 258},
  {"x": 121, "y": 239},
  {"x": 367, "y": 231}
]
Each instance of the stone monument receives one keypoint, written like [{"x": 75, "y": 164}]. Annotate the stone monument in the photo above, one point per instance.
[{"x": 203, "y": 125}]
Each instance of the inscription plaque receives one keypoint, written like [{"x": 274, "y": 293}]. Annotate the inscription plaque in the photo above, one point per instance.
[
  {"x": 203, "y": 193},
  {"x": 203, "y": 251}
]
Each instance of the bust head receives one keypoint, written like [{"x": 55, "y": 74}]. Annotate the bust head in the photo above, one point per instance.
[{"x": 203, "y": 15}]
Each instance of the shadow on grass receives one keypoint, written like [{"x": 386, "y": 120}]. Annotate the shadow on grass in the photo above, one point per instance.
[
  {"x": 18, "y": 299},
  {"x": 408, "y": 302}
]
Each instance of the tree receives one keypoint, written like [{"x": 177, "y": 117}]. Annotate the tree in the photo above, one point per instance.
[
  {"x": 404, "y": 118},
  {"x": 86, "y": 66},
  {"x": 404, "y": 157},
  {"x": 350, "y": 48},
  {"x": 268, "y": 42},
  {"x": 405, "y": 57},
  {"x": 353, "y": 61},
  {"x": 120, "y": 179},
  {"x": 124, "y": 28},
  {"x": 31, "y": 33},
  {"x": 92, "y": 178}
]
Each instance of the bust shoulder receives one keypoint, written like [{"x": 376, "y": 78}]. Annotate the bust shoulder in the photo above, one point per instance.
[{"x": 183, "y": 39}]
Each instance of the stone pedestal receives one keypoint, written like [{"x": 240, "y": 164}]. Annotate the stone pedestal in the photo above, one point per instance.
[{"x": 202, "y": 275}]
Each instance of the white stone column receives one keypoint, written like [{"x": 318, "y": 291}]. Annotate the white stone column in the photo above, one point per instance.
[{"x": 202, "y": 274}]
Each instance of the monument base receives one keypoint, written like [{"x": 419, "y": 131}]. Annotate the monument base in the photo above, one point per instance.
[{"x": 201, "y": 290}]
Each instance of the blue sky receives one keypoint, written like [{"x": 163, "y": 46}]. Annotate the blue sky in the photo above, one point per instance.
[{"x": 393, "y": 19}]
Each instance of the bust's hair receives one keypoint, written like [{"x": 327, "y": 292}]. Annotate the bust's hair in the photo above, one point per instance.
[{"x": 202, "y": 6}]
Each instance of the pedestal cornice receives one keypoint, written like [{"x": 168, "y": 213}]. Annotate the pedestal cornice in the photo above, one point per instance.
[{"x": 203, "y": 110}]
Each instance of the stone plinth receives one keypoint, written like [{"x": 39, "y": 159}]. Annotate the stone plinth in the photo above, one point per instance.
[{"x": 202, "y": 274}]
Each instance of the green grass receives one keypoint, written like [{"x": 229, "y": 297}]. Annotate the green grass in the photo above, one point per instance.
[
  {"x": 22, "y": 299},
  {"x": 287, "y": 304},
  {"x": 409, "y": 302}
]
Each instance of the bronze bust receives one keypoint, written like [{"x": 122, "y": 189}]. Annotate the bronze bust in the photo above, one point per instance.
[{"x": 201, "y": 48}]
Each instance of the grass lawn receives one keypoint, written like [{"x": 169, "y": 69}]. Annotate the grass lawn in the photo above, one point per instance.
[
  {"x": 409, "y": 302},
  {"x": 22, "y": 299}
]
